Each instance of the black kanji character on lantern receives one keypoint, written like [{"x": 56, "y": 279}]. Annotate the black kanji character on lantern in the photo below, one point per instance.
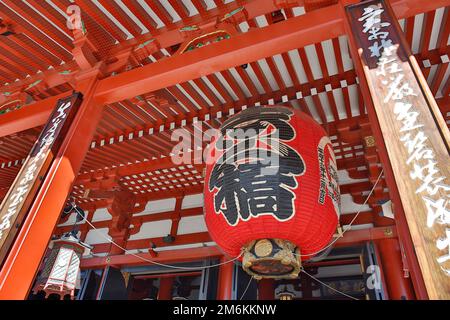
[{"x": 248, "y": 182}]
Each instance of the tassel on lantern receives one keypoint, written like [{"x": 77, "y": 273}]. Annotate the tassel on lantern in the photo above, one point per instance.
[{"x": 62, "y": 269}]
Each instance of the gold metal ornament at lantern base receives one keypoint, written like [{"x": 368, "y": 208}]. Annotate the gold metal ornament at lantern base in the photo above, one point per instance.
[{"x": 271, "y": 258}]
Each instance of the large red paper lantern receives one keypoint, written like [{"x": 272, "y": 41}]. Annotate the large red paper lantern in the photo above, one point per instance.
[{"x": 271, "y": 189}]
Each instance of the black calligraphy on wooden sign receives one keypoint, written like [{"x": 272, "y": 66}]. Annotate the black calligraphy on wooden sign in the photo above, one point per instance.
[
  {"x": 415, "y": 136},
  {"x": 19, "y": 198}
]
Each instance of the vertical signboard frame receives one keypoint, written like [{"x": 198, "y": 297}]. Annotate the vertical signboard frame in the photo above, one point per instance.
[{"x": 414, "y": 133}]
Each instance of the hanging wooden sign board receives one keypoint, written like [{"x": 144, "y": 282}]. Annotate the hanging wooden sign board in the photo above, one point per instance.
[
  {"x": 19, "y": 198},
  {"x": 415, "y": 135}
]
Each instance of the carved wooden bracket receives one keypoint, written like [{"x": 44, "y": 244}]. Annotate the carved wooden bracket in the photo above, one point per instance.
[
  {"x": 212, "y": 31},
  {"x": 121, "y": 202},
  {"x": 145, "y": 49},
  {"x": 121, "y": 210},
  {"x": 102, "y": 187},
  {"x": 84, "y": 51},
  {"x": 6, "y": 29}
]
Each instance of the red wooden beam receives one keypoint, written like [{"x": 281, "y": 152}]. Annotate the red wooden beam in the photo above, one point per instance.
[
  {"x": 183, "y": 239},
  {"x": 328, "y": 263},
  {"x": 129, "y": 170},
  {"x": 409, "y": 8},
  {"x": 28, "y": 117},
  {"x": 354, "y": 237},
  {"x": 314, "y": 27},
  {"x": 167, "y": 257}
]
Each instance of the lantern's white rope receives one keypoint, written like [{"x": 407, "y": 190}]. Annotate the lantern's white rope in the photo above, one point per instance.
[
  {"x": 326, "y": 285},
  {"x": 246, "y": 288},
  {"x": 349, "y": 226},
  {"x": 155, "y": 262}
]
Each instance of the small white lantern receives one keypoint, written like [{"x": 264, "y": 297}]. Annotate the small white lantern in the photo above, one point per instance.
[{"x": 62, "y": 269}]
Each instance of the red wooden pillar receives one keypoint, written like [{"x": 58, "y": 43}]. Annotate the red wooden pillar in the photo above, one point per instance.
[
  {"x": 225, "y": 281},
  {"x": 165, "y": 288},
  {"x": 266, "y": 289},
  {"x": 22, "y": 263},
  {"x": 398, "y": 287},
  {"x": 102, "y": 283}
]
